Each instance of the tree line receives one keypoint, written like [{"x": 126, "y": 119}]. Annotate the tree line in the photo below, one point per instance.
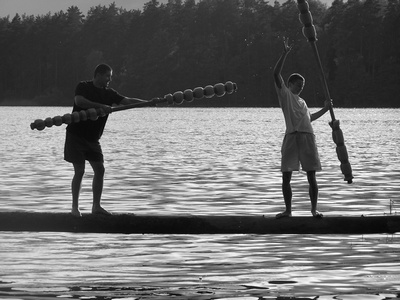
[{"x": 168, "y": 47}]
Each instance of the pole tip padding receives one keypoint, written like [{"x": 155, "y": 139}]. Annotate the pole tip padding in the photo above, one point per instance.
[
  {"x": 230, "y": 87},
  {"x": 38, "y": 124}
]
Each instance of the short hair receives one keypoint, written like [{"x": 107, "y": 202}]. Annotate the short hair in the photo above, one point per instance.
[
  {"x": 294, "y": 77},
  {"x": 101, "y": 69}
]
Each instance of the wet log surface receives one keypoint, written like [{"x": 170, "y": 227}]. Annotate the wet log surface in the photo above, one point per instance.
[{"x": 196, "y": 224}]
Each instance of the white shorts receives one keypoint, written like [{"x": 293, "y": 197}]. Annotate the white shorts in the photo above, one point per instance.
[{"x": 300, "y": 147}]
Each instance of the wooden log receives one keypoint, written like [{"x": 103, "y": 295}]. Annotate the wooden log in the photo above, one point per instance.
[{"x": 196, "y": 224}]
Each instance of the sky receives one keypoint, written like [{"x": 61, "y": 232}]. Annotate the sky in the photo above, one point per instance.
[{"x": 42, "y": 7}]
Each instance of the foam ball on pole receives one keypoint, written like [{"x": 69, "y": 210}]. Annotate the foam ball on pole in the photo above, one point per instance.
[
  {"x": 335, "y": 124},
  {"x": 178, "y": 97},
  {"x": 229, "y": 87},
  {"x": 92, "y": 114},
  {"x": 306, "y": 18},
  {"x": 188, "y": 95},
  {"x": 337, "y": 136},
  {"x": 341, "y": 152},
  {"x": 310, "y": 33},
  {"x": 198, "y": 93},
  {"x": 303, "y": 6},
  {"x": 48, "y": 122},
  {"x": 83, "y": 115},
  {"x": 39, "y": 124},
  {"x": 67, "y": 119},
  {"x": 169, "y": 98},
  {"x": 209, "y": 91},
  {"x": 219, "y": 89},
  {"x": 346, "y": 169},
  {"x": 75, "y": 117},
  {"x": 57, "y": 120}
]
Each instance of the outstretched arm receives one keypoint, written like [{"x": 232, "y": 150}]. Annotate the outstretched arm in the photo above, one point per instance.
[
  {"x": 127, "y": 100},
  {"x": 279, "y": 65},
  {"x": 84, "y": 103}
]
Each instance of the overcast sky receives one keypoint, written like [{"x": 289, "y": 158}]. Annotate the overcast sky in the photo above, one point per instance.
[{"x": 42, "y": 7}]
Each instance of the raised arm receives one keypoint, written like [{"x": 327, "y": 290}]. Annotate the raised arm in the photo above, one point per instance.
[{"x": 279, "y": 65}]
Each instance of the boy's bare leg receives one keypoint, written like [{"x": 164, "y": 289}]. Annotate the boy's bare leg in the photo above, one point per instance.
[
  {"x": 97, "y": 186},
  {"x": 79, "y": 171},
  {"x": 313, "y": 192},
  {"x": 287, "y": 195}
]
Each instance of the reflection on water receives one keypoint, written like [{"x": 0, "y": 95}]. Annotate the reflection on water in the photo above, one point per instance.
[
  {"x": 212, "y": 265},
  {"x": 200, "y": 161}
]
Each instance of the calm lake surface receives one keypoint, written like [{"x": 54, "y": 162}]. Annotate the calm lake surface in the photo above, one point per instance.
[{"x": 200, "y": 161}]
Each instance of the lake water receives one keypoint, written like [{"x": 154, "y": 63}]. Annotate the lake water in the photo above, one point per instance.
[{"x": 200, "y": 161}]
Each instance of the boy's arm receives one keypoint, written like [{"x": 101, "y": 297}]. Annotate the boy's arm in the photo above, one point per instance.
[
  {"x": 278, "y": 69},
  {"x": 320, "y": 113},
  {"x": 128, "y": 100},
  {"x": 279, "y": 65}
]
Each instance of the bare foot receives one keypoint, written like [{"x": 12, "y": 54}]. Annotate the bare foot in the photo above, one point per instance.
[
  {"x": 285, "y": 214},
  {"x": 317, "y": 214},
  {"x": 100, "y": 211},
  {"x": 76, "y": 212}
]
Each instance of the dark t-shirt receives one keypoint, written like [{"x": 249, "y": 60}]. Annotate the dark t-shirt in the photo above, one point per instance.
[{"x": 93, "y": 130}]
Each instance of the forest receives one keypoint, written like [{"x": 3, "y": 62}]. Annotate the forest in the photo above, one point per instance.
[{"x": 164, "y": 48}]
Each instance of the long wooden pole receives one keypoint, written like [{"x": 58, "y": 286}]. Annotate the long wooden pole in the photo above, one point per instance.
[
  {"x": 337, "y": 134},
  {"x": 152, "y": 102},
  {"x": 324, "y": 83},
  {"x": 209, "y": 91}
]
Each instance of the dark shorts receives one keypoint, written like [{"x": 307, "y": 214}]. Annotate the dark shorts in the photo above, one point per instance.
[
  {"x": 300, "y": 148},
  {"x": 78, "y": 149}
]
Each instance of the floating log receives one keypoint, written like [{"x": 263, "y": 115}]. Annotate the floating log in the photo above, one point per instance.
[{"x": 196, "y": 224}]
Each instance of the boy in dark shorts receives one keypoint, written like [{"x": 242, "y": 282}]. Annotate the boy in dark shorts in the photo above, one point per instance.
[
  {"x": 299, "y": 144},
  {"x": 82, "y": 138}
]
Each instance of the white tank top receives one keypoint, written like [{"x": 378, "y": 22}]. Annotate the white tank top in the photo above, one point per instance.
[{"x": 295, "y": 110}]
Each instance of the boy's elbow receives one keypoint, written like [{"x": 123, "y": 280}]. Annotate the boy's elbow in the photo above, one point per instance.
[
  {"x": 78, "y": 100},
  {"x": 81, "y": 102},
  {"x": 277, "y": 80}
]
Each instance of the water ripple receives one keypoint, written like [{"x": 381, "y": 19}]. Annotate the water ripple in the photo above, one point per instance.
[{"x": 200, "y": 161}]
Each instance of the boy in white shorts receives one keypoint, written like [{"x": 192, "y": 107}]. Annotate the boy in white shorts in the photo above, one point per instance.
[{"x": 299, "y": 146}]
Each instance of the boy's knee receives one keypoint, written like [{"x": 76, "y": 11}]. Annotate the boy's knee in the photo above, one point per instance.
[
  {"x": 286, "y": 177},
  {"x": 98, "y": 168},
  {"x": 79, "y": 170},
  {"x": 101, "y": 171}
]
